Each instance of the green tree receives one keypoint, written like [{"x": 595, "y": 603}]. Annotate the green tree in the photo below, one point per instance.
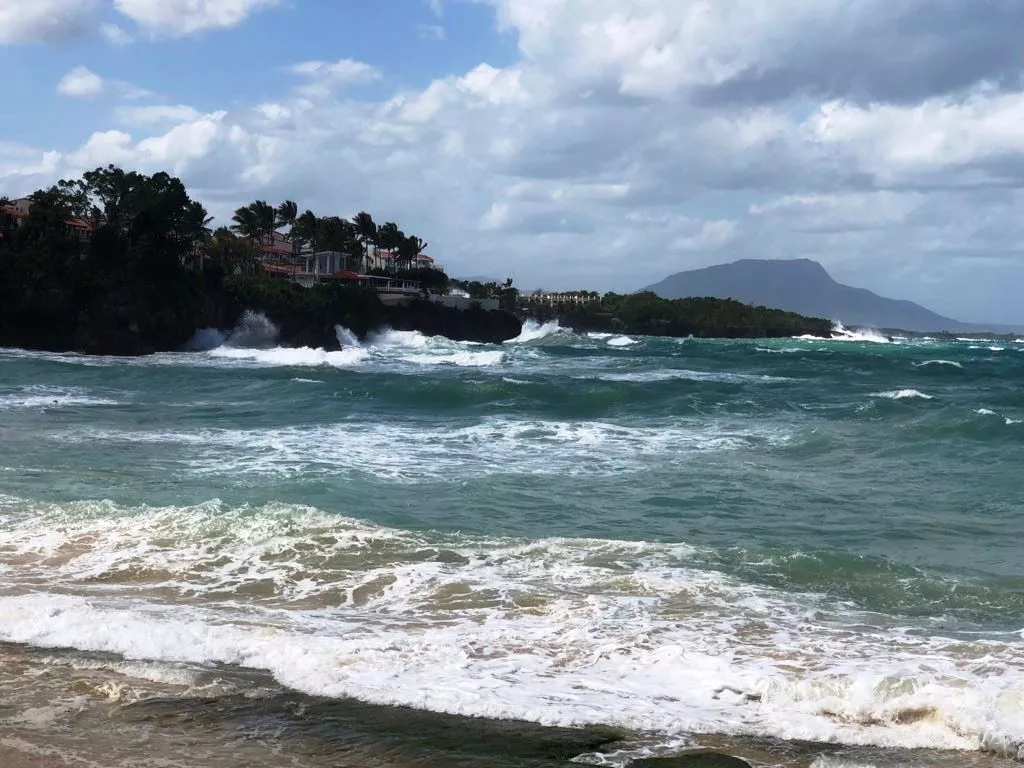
[
  {"x": 366, "y": 230},
  {"x": 390, "y": 238}
]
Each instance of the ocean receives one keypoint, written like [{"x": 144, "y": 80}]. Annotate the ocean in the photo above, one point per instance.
[{"x": 803, "y": 551}]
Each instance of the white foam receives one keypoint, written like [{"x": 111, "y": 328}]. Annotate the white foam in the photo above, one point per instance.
[
  {"x": 985, "y": 412},
  {"x": 534, "y": 331},
  {"x": 950, "y": 363},
  {"x": 404, "y": 339},
  {"x": 465, "y": 359},
  {"x": 782, "y": 350},
  {"x": 293, "y": 356},
  {"x": 688, "y": 375},
  {"x": 621, "y": 341},
  {"x": 495, "y": 445},
  {"x": 49, "y": 398},
  {"x": 842, "y": 333},
  {"x": 870, "y": 335},
  {"x": 555, "y": 631},
  {"x": 904, "y": 394},
  {"x": 382, "y": 348}
]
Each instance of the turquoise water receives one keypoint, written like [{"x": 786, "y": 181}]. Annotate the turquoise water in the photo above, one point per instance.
[{"x": 795, "y": 538}]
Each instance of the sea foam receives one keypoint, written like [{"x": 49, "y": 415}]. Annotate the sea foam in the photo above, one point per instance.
[
  {"x": 904, "y": 394},
  {"x": 385, "y": 347},
  {"x": 557, "y": 631}
]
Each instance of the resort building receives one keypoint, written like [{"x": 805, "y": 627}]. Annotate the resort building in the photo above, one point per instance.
[
  {"x": 391, "y": 260},
  {"x": 568, "y": 298},
  {"x": 15, "y": 213}
]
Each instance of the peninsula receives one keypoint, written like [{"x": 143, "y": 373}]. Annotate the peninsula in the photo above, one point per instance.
[{"x": 123, "y": 263}]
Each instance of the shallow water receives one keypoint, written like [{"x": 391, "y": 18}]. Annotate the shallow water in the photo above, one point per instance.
[{"x": 793, "y": 540}]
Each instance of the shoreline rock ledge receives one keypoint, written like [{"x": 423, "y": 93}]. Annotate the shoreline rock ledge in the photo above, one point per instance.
[{"x": 697, "y": 758}]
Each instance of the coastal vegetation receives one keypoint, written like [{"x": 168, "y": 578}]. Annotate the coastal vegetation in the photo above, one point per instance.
[
  {"x": 119, "y": 262},
  {"x": 648, "y": 314}
]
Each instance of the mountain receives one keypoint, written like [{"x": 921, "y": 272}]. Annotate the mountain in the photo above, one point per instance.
[{"x": 802, "y": 285}]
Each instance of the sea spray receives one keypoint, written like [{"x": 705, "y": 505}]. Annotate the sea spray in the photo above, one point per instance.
[
  {"x": 205, "y": 339},
  {"x": 346, "y": 338},
  {"x": 871, "y": 335},
  {"x": 534, "y": 331},
  {"x": 254, "y": 330}
]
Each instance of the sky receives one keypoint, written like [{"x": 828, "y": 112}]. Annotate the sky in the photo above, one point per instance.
[{"x": 588, "y": 144}]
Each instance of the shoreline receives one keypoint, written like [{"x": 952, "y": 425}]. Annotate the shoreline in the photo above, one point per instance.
[{"x": 63, "y": 704}]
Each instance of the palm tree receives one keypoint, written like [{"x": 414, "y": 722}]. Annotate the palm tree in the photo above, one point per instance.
[
  {"x": 256, "y": 222},
  {"x": 414, "y": 246},
  {"x": 390, "y": 238},
  {"x": 366, "y": 230},
  {"x": 285, "y": 216},
  {"x": 246, "y": 223},
  {"x": 266, "y": 215},
  {"x": 195, "y": 230},
  {"x": 304, "y": 232}
]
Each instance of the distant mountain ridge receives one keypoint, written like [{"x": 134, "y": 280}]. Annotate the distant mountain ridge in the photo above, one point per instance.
[{"x": 803, "y": 286}]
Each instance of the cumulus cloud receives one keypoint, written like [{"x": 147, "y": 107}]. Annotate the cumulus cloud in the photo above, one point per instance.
[
  {"x": 177, "y": 18},
  {"x": 762, "y": 51},
  {"x": 80, "y": 82},
  {"x": 634, "y": 138},
  {"x": 44, "y": 21}
]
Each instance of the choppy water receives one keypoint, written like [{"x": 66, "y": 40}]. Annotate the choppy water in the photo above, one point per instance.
[{"x": 797, "y": 539}]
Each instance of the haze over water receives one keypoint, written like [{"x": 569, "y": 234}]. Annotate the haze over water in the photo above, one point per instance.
[{"x": 798, "y": 539}]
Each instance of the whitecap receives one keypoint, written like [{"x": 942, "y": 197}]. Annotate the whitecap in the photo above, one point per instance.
[
  {"x": 47, "y": 397},
  {"x": 495, "y": 445},
  {"x": 534, "y": 331},
  {"x": 686, "y": 375},
  {"x": 462, "y": 359},
  {"x": 950, "y": 363},
  {"x": 904, "y": 394},
  {"x": 841, "y": 333},
  {"x": 292, "y": 356},
  {"x": 621, "y": 341}
]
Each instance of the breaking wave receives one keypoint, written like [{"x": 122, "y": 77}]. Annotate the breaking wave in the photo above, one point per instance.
[
  {"x": 904, "y": 394},
  {"x": 394, "y": 451},
  {"x": 534, "y": 331},
  {"x": 558, "y": 631},
  {"x": 380, "y": 347},
  {"x": 841, "y": 333}
]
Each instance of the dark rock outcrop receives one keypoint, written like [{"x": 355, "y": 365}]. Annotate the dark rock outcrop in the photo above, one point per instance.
[
  {"x": 698, "y": 758},
  {"x": 304, "y": 317}
]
